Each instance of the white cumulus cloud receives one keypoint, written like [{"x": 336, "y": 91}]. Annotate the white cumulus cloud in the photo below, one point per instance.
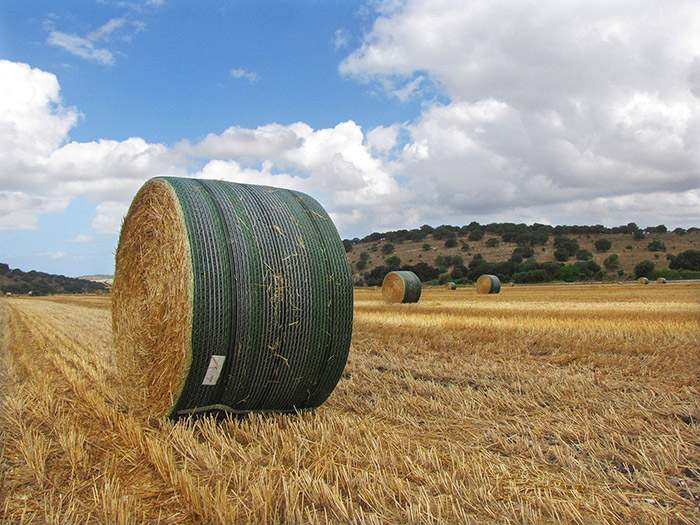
[{"x": 547, "y": 102}]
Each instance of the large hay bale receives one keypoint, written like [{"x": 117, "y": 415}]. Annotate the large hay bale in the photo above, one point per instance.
[
  {"x": 451, "y": 285},
  {"x": 229, "y": 296},
  {"x": 488, "y": 284},
  {"x": 661, "y": 280},
  {"x": 401, "y": 287},
  {"x": 643, "y": 280}
]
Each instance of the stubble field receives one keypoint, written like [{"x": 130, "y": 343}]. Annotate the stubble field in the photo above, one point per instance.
[{"x": 541, "y": 404}]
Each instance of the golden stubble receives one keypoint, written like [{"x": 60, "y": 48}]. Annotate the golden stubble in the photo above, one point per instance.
[{"x": 513, "y": 411}]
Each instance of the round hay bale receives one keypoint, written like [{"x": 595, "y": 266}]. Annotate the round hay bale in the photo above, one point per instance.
[
  {"x": 487, "y": 284},
  {"x": 451, "y": 285},
  {"x": 401, "y": 287},
  {"x": 643, "y": 280},
  {"x": 229, "y": 297},
  {"x": 661, "y": 280}
]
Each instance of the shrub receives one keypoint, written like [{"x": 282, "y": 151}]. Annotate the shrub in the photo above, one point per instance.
[
  {"x": 584, "y": 255},
  {"x": 476, "y": 235},
  {"x": 458, "y": 272},
  {"x": 561, "y": 255},
  {"x": 602, "y": 245},
  {"x": 656, "y": 246},
  {"x": 493, "y": 242},
  {"x": 566, "y": 244},
  {"x": 612, "y": 262},
  {"x": 388, "y": 249},
  {"x": 393, "y": 263},
  {"x": 643, "y": 269},
  {"x": 451, "y": 242},
  {"x": 687, "y": 260},
  {"x": 426, "y": 247}
]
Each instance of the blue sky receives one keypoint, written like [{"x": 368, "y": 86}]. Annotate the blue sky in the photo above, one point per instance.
[{"x": 393, "y": 114}]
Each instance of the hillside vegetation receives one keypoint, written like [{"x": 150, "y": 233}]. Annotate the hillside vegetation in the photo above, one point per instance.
[
  {"x": 15, "y": 281},
  {"x": 527, "y": 254}
]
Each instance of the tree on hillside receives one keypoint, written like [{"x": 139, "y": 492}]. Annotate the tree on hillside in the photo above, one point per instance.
[
  {"x": 388, "y": 249},
  {"x": 612, "y": 262},
  {"x": 347, "y": 244},
  {"x": 656, "y": 246},
  {"x": 643, "y": 269},
  {"x": 476, "y": 235},
  {"x": 565, "y": 247},
  {"x": 602, "y": 245},
  {"x": 450, "y": 242},
  {"x": 393, "y": 263},
  {"x": 687, "y": 260},
  {"x": 520, "y": 253},
  {"x": 584, "y": 255},
  {"x": 656, "y": 229}
]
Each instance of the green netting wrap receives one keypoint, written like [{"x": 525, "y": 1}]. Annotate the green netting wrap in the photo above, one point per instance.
[
  {"x": 401, "y": 287},
  {"x": 267, "y": 294}
]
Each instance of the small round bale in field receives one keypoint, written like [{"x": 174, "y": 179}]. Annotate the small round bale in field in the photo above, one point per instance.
[
  {"x": 643, "y": 280},
  {"x": 487, "y": 284},
  {"x": 401, "y": 287},
  {"x": 661, "y": 280},
  {"x": 230, "y": 297},
  {"x": 451, "y": 285}
]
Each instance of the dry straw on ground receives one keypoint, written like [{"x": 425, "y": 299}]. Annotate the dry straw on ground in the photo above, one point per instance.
[
  {"x": 401, "y": 287},
  {"x": 548, "y": 404},
  {"x": 488, "y": 284}
]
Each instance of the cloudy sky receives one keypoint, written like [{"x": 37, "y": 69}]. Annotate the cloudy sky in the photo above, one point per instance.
[{"x": 392, "y": 114}]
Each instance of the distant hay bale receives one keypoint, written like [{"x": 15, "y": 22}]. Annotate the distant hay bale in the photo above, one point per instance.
[
  {"x": 98, "y": 292},
  {"x": 229, "y": 297},
  {"x": 401, "y": 287},
  {"x": 643, "y": 280},
  {"x": 661, "y": 280},
  {"x": 487, "y": 284},
  {"x": 451, "y": 286}
]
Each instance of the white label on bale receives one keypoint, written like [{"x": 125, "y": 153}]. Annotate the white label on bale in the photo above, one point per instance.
[{"x": 214, "y": 371}]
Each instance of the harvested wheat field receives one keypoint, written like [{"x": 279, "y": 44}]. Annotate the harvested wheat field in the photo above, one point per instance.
[{"x": 575, "y": 404}]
